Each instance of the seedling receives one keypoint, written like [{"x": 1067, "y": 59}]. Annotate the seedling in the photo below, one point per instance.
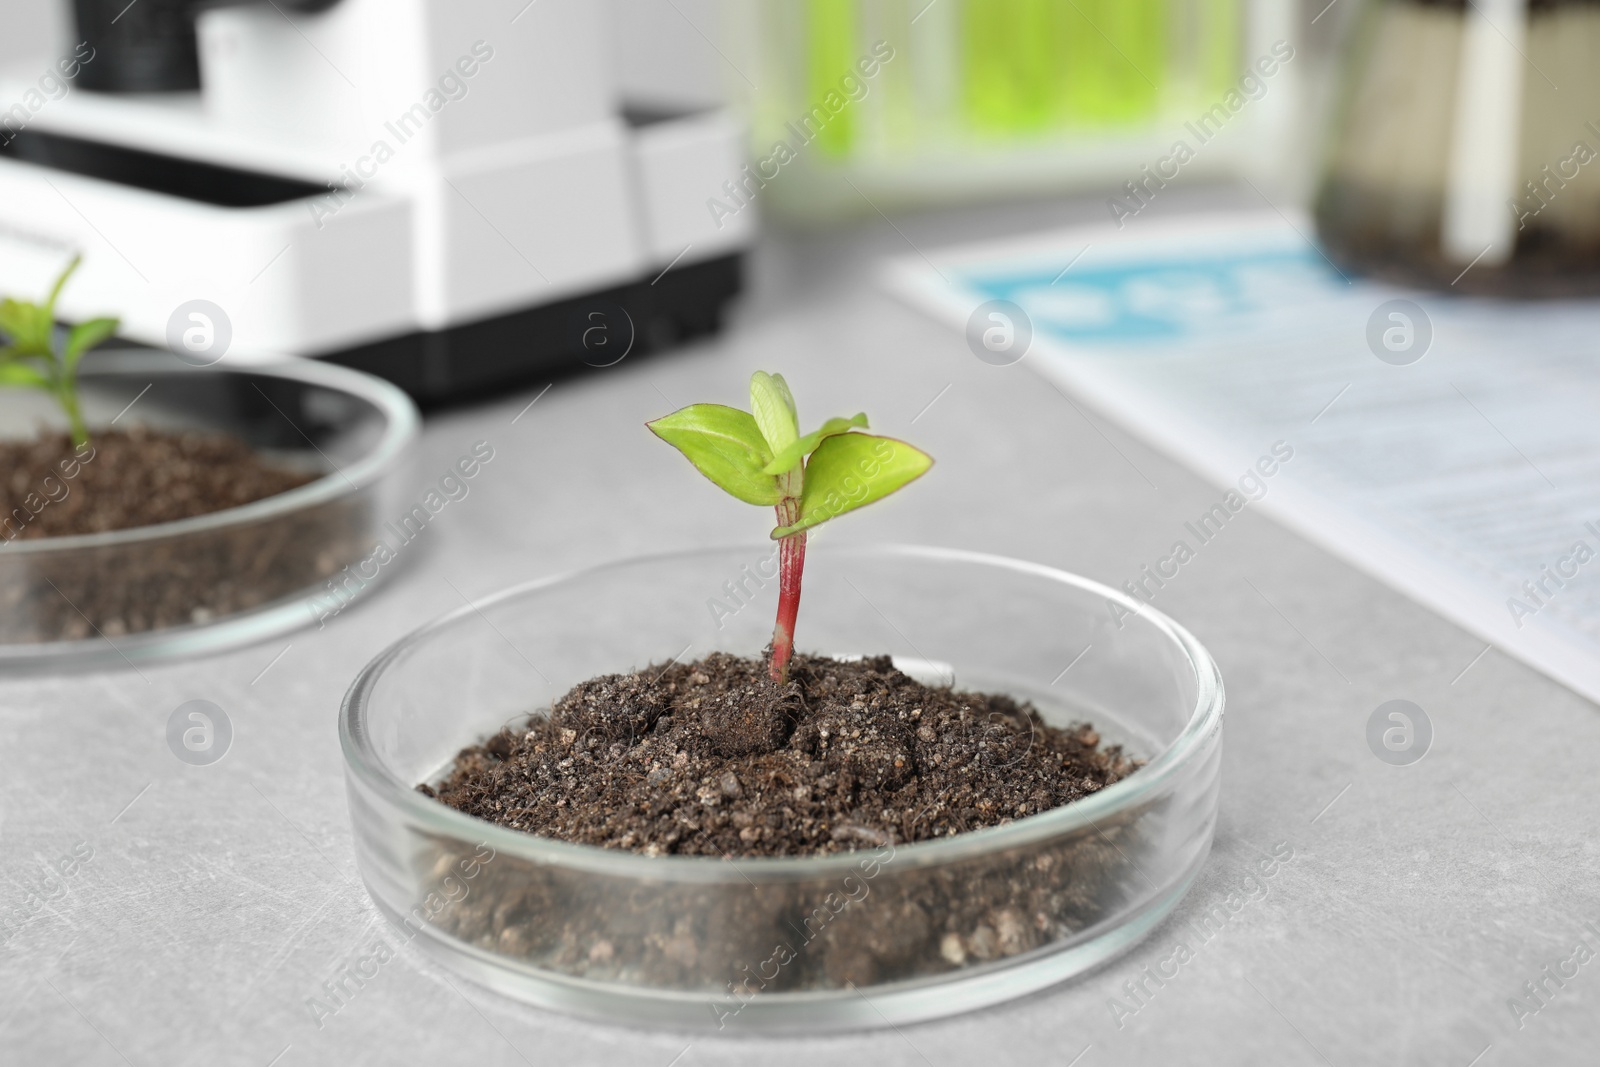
[
  {"x": 33, "y": 358},
  {"x": 759, "y": 457}
]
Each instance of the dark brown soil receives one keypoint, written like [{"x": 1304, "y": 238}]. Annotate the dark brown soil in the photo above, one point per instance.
[
  {"x": 123, "y": 479},
  {"x": 138, "y": 477},
  {"x": 709, "y": 759},
  {"x": 712, "y": 759}
]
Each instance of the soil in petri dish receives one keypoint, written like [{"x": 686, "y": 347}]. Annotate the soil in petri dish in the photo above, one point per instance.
[
  {"x": 712, "y": 758},
  {"x": 122, "y": 479},
  {"x": 127, "y": 479}
]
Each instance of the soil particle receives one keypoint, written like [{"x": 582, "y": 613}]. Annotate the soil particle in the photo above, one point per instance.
[{"x": 713, "y": 759}]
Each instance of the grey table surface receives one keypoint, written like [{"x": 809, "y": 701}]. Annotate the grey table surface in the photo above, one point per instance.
[{"x": 1418, "y": 903}]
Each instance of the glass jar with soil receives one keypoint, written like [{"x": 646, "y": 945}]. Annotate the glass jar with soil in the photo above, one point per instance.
[{"x": 1465, "y": 155}]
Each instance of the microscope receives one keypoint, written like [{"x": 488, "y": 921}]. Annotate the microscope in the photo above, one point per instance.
[{"x": 447, "y": 193}]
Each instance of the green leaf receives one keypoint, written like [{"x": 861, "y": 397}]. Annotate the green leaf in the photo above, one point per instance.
[
  {"x": 808, "y": 444},
  {"x": 850, "y": 471},
  {"x": 22, "y": 374},
  {"x": 85, "y": 336},
  {"x": 725, "y": 445},
  {"x": 774, "y": 410},
  {"x": 25, "y": 324}
]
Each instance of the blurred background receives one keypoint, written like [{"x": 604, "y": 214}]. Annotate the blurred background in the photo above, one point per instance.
[{"x": 1422, "y": 135}]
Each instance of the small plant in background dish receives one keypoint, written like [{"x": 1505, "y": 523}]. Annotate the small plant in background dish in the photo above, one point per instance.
[
  {"x": 58, "y": 484},
  {"x": 37, "y": 357},
  {"x": 759, "y": 457},
  {"x": 183, "y": 444}
]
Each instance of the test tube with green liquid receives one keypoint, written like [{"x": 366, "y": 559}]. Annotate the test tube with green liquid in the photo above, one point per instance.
[
  {"x": 1218, "y": 45},
  {"x": 1012, "y": 70},
  {"x": 832, "y": 31},
  {"x": 1115, "y": 58}
]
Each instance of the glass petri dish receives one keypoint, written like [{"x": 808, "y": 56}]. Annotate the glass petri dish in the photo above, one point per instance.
[
  {"x": 890, "y": 933},
  {"x": 231, "y": 577}
]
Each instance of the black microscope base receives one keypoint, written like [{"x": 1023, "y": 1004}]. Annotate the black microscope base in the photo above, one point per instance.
[{"x": 595, "y": 330}]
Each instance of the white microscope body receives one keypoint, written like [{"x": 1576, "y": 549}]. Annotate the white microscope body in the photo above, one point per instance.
[{"x": 428, "y": 189}]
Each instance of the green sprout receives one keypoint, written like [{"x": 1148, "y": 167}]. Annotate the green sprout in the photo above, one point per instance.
[
  {"x": 32, "y": 357},
  {"x": 759, "y": 457}
]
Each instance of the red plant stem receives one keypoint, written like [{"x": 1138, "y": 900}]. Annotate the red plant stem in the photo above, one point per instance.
[{"x": 791, "y": 563}]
